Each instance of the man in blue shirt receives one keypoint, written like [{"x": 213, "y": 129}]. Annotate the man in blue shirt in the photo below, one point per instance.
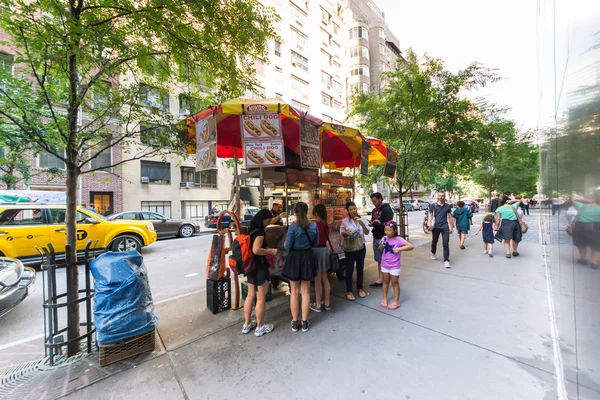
[{"x": 441, "y": 222}]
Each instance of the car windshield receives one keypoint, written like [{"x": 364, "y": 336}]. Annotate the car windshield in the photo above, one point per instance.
[
  {"x": 252, "y": 210},
  {"x": 95, "y": 214}
]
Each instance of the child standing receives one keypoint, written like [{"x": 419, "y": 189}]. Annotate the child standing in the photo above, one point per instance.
[
  {"x": 391, "y": 245},
  {"x": 488, "y": 226}
]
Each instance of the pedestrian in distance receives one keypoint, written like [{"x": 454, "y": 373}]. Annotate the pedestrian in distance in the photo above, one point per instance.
[
  {"x": 508, "y": 227},
  {"x": 488, "y": 226},
  {"x": 258, "y": 279},
  {"x": 440, "y": 222},
  {"x": 353, "y": 231},
  {"x": 464, "y": 219},
  {"x": 495, "y": 203},
  {"x": 526, "y": 202},
  {"x": 300, "y": 268},
  {"x": 321, "y": 252},
  {"x": 380, "y": 215},
  {"x": 391, "y": 246}
]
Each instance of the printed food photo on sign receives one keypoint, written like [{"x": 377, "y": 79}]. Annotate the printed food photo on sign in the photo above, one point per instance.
[
  {"x": 264, "y": 154},
  {"x": 205, "y": 131},
  {"x": 261, "y": 126},
  {"x": 311, "y": 157},
  {"x": 309, "y": 133},
  {"x": 206, "y": 157}
]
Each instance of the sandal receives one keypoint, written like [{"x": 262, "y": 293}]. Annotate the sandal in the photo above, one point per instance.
[
  {"x": 384, "y": 304},
  {"x": 362, "y": 294},
  {"x": 394, "y": 306},
  {"x": 515, "y": 254},
  {"x": 350, "y": 296}
]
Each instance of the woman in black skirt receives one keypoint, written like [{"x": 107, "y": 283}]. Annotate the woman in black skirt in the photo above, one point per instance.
[
  {"x": 507, "y": 225},
  {"x": 300, "y": 266}
]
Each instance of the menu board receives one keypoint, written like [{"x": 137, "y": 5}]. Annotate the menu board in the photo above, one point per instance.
[
  {"x": 264, "y": 154},
  {"x": 364, "y": 158},
  {"x": 310, "y": 156},
  {"x": 261, "y": 126},
  {"x": 206, "y": 143},
  {"x": 309, "y": 133},
  {"x": 310, "y": 145},
  {"x": 391, "y": 163},
  {"x": 339, "y": 180}
]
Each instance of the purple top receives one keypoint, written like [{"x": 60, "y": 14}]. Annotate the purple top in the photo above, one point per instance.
[{"x": 389, "y": 259}]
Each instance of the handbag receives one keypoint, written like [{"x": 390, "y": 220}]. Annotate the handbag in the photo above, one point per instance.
[
  {"x": 522, "y": 223},
  {"x": 571, "y": 227},
  {"x": 354, "y": 242}
]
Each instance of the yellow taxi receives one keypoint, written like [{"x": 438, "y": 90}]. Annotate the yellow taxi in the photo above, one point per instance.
[{"x": 23, "y": 227}]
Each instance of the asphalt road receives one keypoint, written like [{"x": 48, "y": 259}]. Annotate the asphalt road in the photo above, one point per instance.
[{"x": 175, "y": 267}]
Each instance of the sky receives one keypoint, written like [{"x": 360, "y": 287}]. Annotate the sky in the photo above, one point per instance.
[{"x": 499, "y": 34}]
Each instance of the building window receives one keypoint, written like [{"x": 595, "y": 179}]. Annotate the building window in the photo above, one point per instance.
[
  {"x": 326, "y": 100},
  {"x": 325, "y": 17},
  {"x": 383, "y": 66},
  {"x": 259, "y": 66},
  {"x": 156, "y": 172},
  {"x": 325, "y": 37},
  {"x": 382, "y": 33},
  {"x": 102, "y": 160},
  {"x": 357, "y": 70},
  {"x": 359, "y": 51},
  {"x": 49, "y": 161},
  {"x": 152, "y": 97},
  {"x": 279, "y": 76},
  {"x": 338, "y": 88},
  {"x": 160, "y": 207},
  {"x": 101, "y": 94},
  {"x": 203, "y": 179},
  {"x": 300, "y": 106},
  {"x": 382, "y": 51},
  {"x": 299, "y": 39},
  {"x": 359, "y": 32},
  {"x": 300, "y": 86},
  {"x": 299, "y": 61},
  {"x": 258, "y": 93},
  {"x": 277, "y": 48},
  {"x": 359, "y": 87},
  {"x": 195, "y": 209},
  {"x": 187, "y": 104},
  {"x": 326, "y": 57},
  {"x": 337, "y": 69},
  {"x": 155, "y": 135},
  {"x": 336, "y": 29},
  {"x": 279, "y": 96},
  {"x": 337, "y": 106},
  {"x": 327, "y": 118},
  {"x": 326, "y": 78},
  {"x": 6, "y": 62},
  {"x": 298, "y": 14}
]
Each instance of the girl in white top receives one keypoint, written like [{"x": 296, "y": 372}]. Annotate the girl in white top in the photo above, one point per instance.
[{"x": 353, "y": 225}]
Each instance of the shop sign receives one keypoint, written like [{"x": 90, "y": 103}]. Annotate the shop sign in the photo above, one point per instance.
[
  {"x": 300, "y": 178},
  {"x": 206, "y": 143},
  {"x": 257, "y": 108},
  {"x": 341, "y": 181},
  {"x": 364, "y": 158},
  {"x": 391, "y": 163},
  {"x": 261, "y": 126},
  {"x": 264, "y": 154}
]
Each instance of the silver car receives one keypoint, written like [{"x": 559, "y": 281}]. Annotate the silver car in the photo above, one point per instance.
[{"x": 15, "y": 282}]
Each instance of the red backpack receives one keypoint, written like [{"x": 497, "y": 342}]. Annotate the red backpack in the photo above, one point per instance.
[{"x": 241, "y": 257}]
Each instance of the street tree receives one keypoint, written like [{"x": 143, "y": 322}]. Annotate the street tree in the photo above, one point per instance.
[
  {"x": 422, "y": 112},
  {"x": 93, "y": 75}
]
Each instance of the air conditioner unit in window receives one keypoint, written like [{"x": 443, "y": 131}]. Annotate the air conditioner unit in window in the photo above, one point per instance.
[
  {"x": 145, "y": 179},
  {"x": 189, "y": 185}
]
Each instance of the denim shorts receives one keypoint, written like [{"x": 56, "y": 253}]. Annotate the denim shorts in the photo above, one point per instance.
[{"x": 376, "y": 253}]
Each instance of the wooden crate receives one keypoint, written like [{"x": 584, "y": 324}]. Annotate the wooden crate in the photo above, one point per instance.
[{"x": 111, "y": 353}]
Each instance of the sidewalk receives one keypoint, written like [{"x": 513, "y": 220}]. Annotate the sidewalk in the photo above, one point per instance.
[{"x": 480, "y": 330}]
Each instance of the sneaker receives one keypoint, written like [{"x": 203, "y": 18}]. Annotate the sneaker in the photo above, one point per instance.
[
  {"x": 295, "y": 326},
  {"x": 305, "y": 326},
  {"x": 485, "y": 252},
  {"x": 247, "y": 328},
  {"x": 447, "y": 264},
  {"x": 315, "y": 308},
  {"x": 327, "y": 308},
  {"x": 433, "y": 257},
  {"x": 491, "y": 255},
  {"x": 515, "y": 254},
  {"x": 263, "y": 330},
  {"x": 462, "y": 247}
]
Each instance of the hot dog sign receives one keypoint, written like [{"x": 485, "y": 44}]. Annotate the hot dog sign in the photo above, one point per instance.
[
  {"x": 261, "y": 126},
  {"x": 264, "y": 154}
]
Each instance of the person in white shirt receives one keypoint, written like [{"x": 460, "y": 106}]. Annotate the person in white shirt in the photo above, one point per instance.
[
  {"x": 525, "y": 202},
  {"x": 354, "y": 229}
]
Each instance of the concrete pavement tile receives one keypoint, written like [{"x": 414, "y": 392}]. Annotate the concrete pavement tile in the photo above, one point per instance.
[
  {"x": 150, "y": 380},
  {"x": 352, "y": 352}
]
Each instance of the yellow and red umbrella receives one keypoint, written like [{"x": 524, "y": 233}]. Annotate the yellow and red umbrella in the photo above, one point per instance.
[{"x": 341, "y": 147}]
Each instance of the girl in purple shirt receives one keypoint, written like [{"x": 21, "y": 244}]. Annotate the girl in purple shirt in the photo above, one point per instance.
[{"x": 391, "y": 245}]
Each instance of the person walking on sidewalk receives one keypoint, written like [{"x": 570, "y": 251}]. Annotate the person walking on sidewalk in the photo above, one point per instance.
[
  {"x": 440, "y": 222},
  {"x": 507, "y": 226},
  {"x": 322, "y": 287},
  {"x": 464, "y": 219},
  {"x": 258, "y": 279},
  {"x": 526, "y": 202},
  {"x": 353, "y": 231},
  {"x": 380, "y": 215},
  {"x": 488, "y": 226},
  {"x": 300, "y": 268},
  {"x": 495, "y": 203},
  {"x": 391, "y": 245}
]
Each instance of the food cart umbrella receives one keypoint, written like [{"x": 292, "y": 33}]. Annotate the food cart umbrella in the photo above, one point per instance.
[{"x": 341, "y": 147}]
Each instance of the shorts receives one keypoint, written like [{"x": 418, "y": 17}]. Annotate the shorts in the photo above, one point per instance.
[
  {"x": 259, "y": 276},
  {"x": 392, "y": 271},
  {"x": 376, "y": 253},
  {"x": 463, "y": 232}
]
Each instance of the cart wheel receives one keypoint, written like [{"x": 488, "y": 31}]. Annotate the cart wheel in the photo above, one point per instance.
[
  {"x": 341, "y": 274},
  {"x": 275, "y": 282}
]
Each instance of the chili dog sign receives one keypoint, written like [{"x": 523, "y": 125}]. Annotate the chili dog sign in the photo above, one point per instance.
[
  {"x": 261, "y": 126},
  {"x": 264, "y": 154}
]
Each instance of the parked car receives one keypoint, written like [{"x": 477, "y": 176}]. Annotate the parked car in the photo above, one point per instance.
[
  {"x": 473, "y": 206},
  {"x": 25, "y": 226},
  {"x": 368, "y": 209},
  {"x": 420, "y": 205},
  {"x": 406, "y": 204},
  {"x": 165, "y": 227},
  {"x": 15, "y": 282},
  {"x": 211, "y": 221}
]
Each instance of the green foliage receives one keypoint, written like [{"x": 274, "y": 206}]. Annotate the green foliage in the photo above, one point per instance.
[{"x": 422, "y": 113}]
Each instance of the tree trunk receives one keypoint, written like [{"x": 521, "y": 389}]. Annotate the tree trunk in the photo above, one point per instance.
[{"x": 71, "y": 256}]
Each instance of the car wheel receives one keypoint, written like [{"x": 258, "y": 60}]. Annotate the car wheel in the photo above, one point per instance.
[
  {"x": 186, "y": 231},
  {"x": 127, "y": 243}
]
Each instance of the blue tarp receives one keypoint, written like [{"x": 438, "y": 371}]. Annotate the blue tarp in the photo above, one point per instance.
[{"x": 123, "y": 305}]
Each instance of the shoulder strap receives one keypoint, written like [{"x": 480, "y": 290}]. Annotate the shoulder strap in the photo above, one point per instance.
[
  {"x": 516, "y": 213},
  {"x": 307, "y": 236}
]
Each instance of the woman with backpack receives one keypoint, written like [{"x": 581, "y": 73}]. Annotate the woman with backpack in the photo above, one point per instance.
[
  {"x": 300, "y": 268},
  {"x": 258, "y": 279}
]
